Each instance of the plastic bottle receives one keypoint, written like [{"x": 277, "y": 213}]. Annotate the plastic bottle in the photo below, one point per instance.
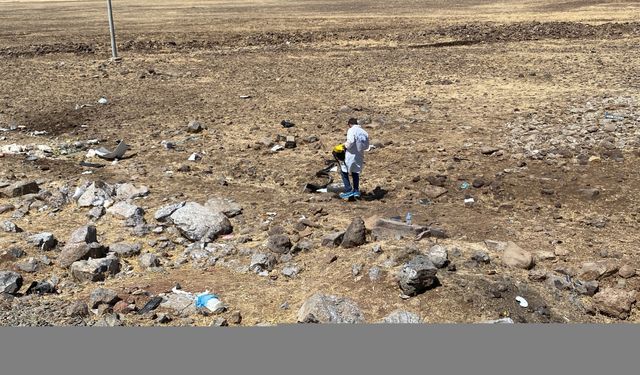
[{"x": 408, "y": 218}]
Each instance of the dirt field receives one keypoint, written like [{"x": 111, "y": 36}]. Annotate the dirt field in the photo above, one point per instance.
[{"x": 536, "y": 101}]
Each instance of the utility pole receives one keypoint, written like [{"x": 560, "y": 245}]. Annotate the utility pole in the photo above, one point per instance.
[{"x": 112, "y": 30}]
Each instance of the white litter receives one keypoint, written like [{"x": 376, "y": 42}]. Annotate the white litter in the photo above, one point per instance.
[
  {"x": 245, "y": 96},
  {"x": 469, "y": 201},
  {"x": 87, "y": 172},
  {"x": 523, "y": 302},
  {"x": 118, "y": 153},
  {"x": 277, "y": 148},
  {"x": 323, "y": 190},
  {"x": 103, "y": 100},
  {"x": 195, "y": 156},
  {"x": 334, "y": 169}
]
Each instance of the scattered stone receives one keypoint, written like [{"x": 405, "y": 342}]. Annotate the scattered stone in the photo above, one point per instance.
[
  {"x": 96, "y": 213},
  {"x": 562, "y": 282},
  {"x": 78, "y": 308},
  {"x": 194, "y": 127},
  {"x": 103, "y": 296},
  {"x": 537, "y": 275},
  {"x": 401, "y": 317},
  {"x": 19, "y": 189},
  {"x": 74, "y": 252},
  {"x": 481, "y": 257},
  {"x": 148, "y": 260},
  {"x": 10, "y": 227},
  {"x": 330, "y": 258},
  {"x": 597, "y": 270},
  {"x": 125, "y": 249},
  {"x": 227, "y": 206},
  {"x": 220, "y": 322},
  {"x": 11, "y": 254},
  {"x": 545, "y": 255},
  {"x": 97, "y": 194},
  {"x": 356, "y": 269},
  {"x": 434, "y": 192},
  {"x": 377, "y": 248},
  {"x": 151, "y": 305},
  {"x": 86, "y": 234},
  {"x": 478, "y": 183},
  {"x": 279, "y": 243},
  {"x": 262, "y": 262},
  {"x": 391, "y": 229},
  {"x": 614, "y": 302},
  {"x": 333, "y": 239},
  {"x": 488, "y": 150},
  {"x": 515, "y": 256},
  {"x": 109, "y": 320},
  {"x": 6, "y": 208},
  {"x": 626, "y": 271},
  {"x": 417, "y": 276},
  {"x": 95, "y": 269},
  {"x": 128, "y": 191},
  {"x": 291, "y": 271},
  {"x": 375, "y": 273},
  {"x": 355, "y": 235},
  {"x": 44, "y": 241},
  {"x": 439, "y": 256},
  {"x": 196, "y": 222},
  {"x": 163, "y": 318},
  {"x": 164, "y": 212},
  {"x": 322, "y": 308},
  {"x": 591, "y": 193},
  {"x": 235, "y": 318},
  {"x": 10, "y": 282},
  {"x": 125, "y": 210},
  {"x": 587, "y": 288},
  {"x": 30, "y": 266},
  {"x": 121, "y": 307}
]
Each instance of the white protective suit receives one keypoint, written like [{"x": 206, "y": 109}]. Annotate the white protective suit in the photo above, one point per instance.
[{"x": 357, "y": 143}]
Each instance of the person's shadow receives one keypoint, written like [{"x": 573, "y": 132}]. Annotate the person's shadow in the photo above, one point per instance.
[{"x": 375, "y": 195}]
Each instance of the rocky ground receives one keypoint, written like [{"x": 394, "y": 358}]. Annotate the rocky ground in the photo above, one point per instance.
[{"x": 508, "y": 130}]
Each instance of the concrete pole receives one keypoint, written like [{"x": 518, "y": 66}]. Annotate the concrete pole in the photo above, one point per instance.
[{"x": 112, "y": 30}]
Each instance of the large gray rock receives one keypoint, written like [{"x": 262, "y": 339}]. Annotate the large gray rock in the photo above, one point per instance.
[
  {"x": 355, "y": 235},
  {"x": 10, "y": 282},
  {"x": 587, "y": 288},
  {"x": 74, "y": 252},
  {"x": 590, "y": 271},
  {"x": 95, "y": 269},
  {"x": 401, "y": 317},
  {"x": 515, "y": 256},
  {"x": 103, "y": 296},
  {"x": 196, "y": 222},
  {"x": 128, "y": 191},
  {"x": 227, "y": 206},
  {"x": 262, "y": 262},
  {"x": 44, "y": 241},
  {"x": 125, "y": 210},
  {"x": 562, "y": 282},
  {"x": 85, "y": 234},
  {"x": 613, "y": 302},
  {"x": 19, "y": 189},
  {"x": 322, "y": 308},
  {"x": 125, "y": 249},
  {"x": 10, "y": 227},
  {"x": 148, "y": 260},
  {"x": 97, "y": 194},
  {"x": 417, "y": 275},
  {"x": 279, "y": 243},
  {"x": 391, "y": 229},
  {"x": 163, "y": 213},
  {"x": 332, "y": 239},
  {"x": 439, "y": 256}
]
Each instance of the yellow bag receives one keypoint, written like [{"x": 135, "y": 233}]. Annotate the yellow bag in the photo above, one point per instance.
[{"x": 339, "y": 152}]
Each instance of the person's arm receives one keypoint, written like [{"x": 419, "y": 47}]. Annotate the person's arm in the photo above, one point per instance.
[{"x": 351, "y": 138}]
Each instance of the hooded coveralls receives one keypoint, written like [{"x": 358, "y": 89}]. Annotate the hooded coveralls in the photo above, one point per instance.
[{"x": 357, "y": 143}]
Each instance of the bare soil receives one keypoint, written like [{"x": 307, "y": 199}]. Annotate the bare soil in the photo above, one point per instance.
[{"x": 433, "y": 82}]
